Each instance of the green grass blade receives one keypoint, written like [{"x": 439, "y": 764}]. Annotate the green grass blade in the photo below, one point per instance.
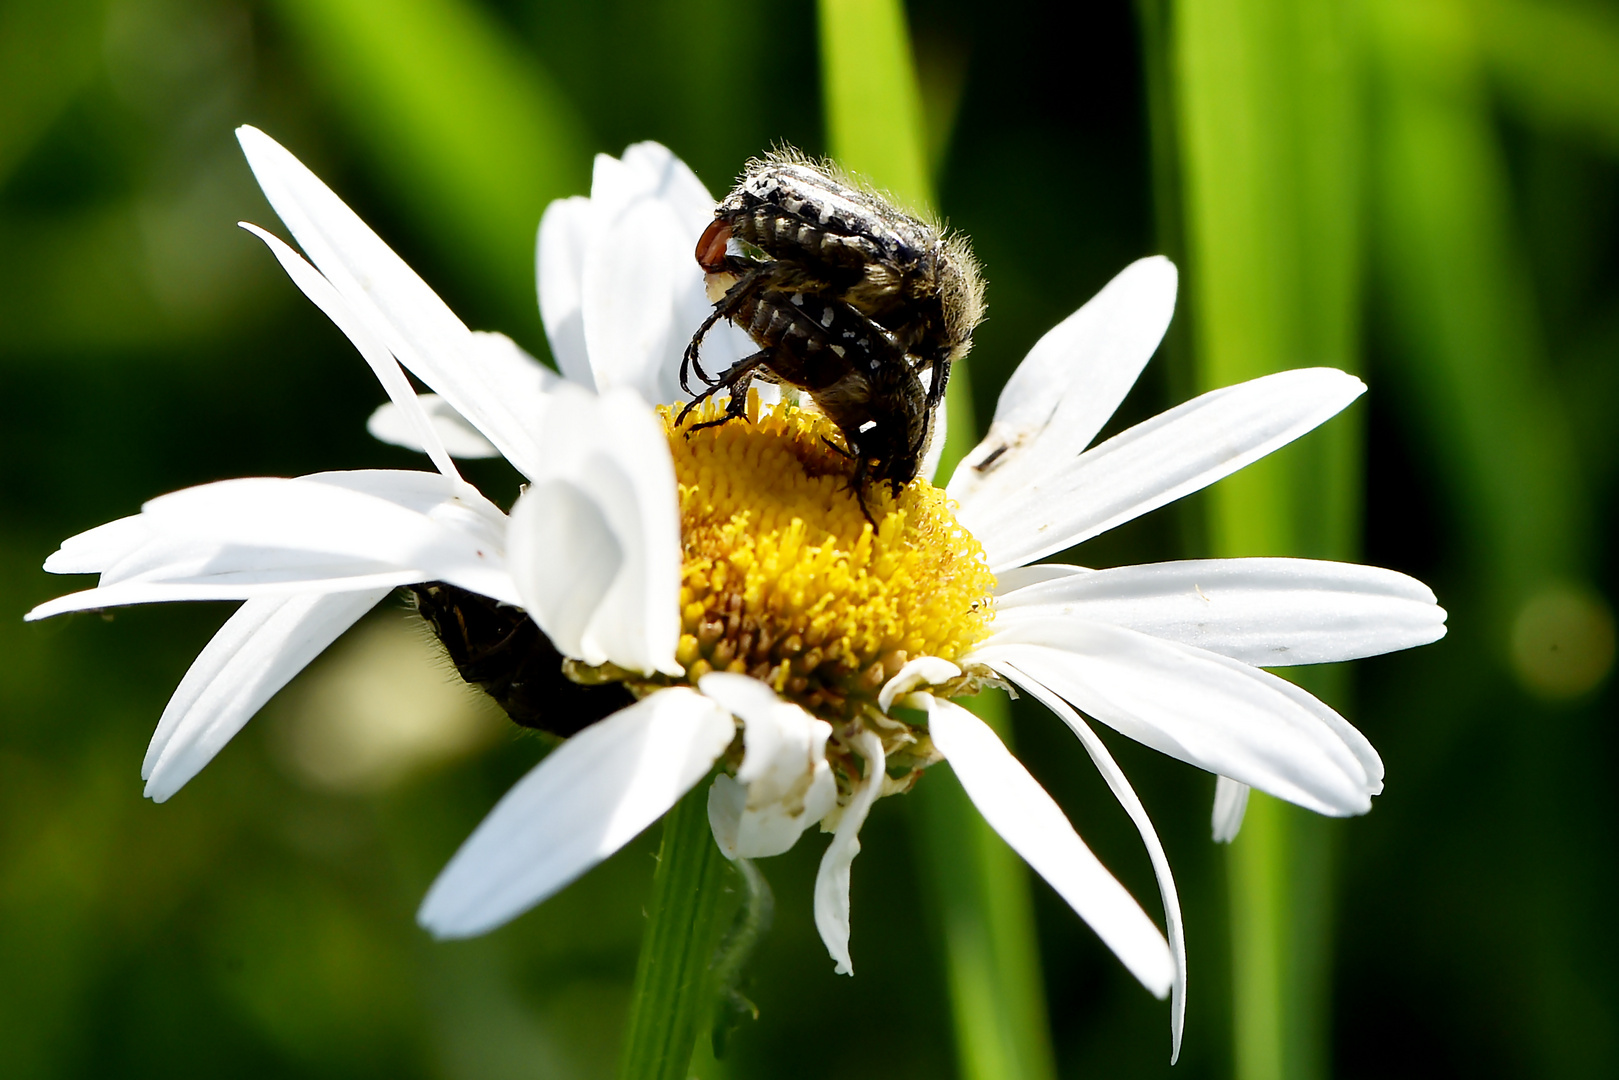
[
  {"x": 980, "y": 888},
  {"x": 1558, "y": 63},
  {"x": 1475, "y": 377},
  {"x": 873, "y": 107},
  {"x": 1268, "y": 103}
]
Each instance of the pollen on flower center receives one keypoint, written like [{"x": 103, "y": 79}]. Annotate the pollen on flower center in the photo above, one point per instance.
[{"x": 785, "y": 579}]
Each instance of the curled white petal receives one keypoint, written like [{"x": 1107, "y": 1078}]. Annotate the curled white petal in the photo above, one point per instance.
[
  {"x": 257, "y": 652},
  {"x": 1213, "y": 712},
  {"x": 413, "y": 418},
  {"x": 780, "y": 740},
  {"x": 1119, "y": 784},
  {"x": 923, "y": 671},
  {"x": 1016, "y": 806},
  {"x": 1070, "y": 383},
  {"x": 1230, "y": 804},
  {"x": 393, "y": 302},
  {"x": 594, "y": 543},
  {"x": 390, "y": 424},
  {"x": 744, "y": 832},
  {"x": 784, "y": 784},
  {"x": 1265, "y": 612},
  {"x": 727, "y": 804},
  {"x": 587, "y": 799},
  {"x": 1154, "y": 463},
  {"x": 832, "y": 879}
]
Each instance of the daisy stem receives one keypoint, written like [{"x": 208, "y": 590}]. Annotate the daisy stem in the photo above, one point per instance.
[{"x": 674, "y": 988}]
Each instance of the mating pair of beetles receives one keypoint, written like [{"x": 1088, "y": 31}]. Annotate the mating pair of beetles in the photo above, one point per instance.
[{"x": 848, "y": 298}]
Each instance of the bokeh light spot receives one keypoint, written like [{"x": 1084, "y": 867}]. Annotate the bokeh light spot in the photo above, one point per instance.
[
  {"x": 382, "y": 706},
  {"x": 1563, "y": 642}
]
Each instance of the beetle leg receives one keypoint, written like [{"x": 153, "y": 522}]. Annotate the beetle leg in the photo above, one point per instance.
[
  {"x": 736, "y": 379},
  {"x": 734, "y": 298}
]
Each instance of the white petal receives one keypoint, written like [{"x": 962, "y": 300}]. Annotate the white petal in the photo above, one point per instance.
[
  {"x": 1230, "y": 804},
  {"x": 832, "y": 879},
  {"x": 781, "y": 741},
  {"x": 1153, "y": 463},
  {"x": 566, "y": 559},
  {"x": 522, "y": 382},
  {"x": 1119, "y": 784},
  {"x": 632, "y": 276},
  {"x": 1020, "y": 577},
  {"x": 240, "y": 586},
  {"x": 923, "y": 671},
  {"x": 94, "y": 550},
  {"x": 744, "y": 832},
  {"x": 587, "y": 799},
  {"x": 255, "y": 654},
  {"x": 784, "y": 782},
  {"x": 376, "y": 354},
  {"x": 565, "y": 233},
  {"x": 1017, "y": 807},
  {"x": 595, "y": 542},
  {"x": 1266, "y": 612},
  {"x": 671, "y": 181},
  {"x": 620, "y": 288},
  {"x": 394, "y": 303},
  {"x": 390, "y": 424},
  {"x": 330, "y": 532},
  {"x": 938, "y": 432},
  {"x": 1070, "y": 383},
  {"x": 1214, "y": 712},
  {"x": 727, "y": 803},
  {"x": 381, "y": 519}
]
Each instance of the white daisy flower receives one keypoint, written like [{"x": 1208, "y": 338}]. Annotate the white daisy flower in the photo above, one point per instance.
[{"x": 727, "y": 584}]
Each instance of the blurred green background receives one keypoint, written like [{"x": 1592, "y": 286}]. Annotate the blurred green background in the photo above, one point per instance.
[{"x": 261, "y": 922}]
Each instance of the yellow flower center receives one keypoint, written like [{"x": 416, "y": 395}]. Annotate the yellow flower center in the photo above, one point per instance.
[{"x": 785, "y": 579}]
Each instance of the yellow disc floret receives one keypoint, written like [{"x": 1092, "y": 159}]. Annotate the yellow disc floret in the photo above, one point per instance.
[{"x": 784, "y": 578}]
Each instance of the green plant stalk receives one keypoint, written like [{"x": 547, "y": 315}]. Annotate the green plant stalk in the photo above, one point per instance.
[
  {"x": 1463, "y": 305},
  {"x": 980, "y": 888},
  {"x": 671, "y": 1004},
  {"x": 1280, "y": 877},
  {"x": 1267, "y": 103}
]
